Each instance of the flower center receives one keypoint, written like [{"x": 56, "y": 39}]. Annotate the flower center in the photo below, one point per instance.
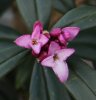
[
  {"x": 34, "y": 42},
  {"x": 55, "y": 57}
]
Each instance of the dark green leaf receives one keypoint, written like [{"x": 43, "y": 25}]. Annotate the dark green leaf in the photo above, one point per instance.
[
  {"x": 7, "y": 52},
  {"x": 4, "y": 4},
  {"x": 55, "y": 87},
  {"x": 86, "y": 23},
  {"x": 79, "y": 89},
  {"x": 86, "y": 51},
  {"x": 85, "y": 72},
  {"x": 8, "y": 33},
  {"x": 5, "y": 87},
  {"x": 86, "y": 36},
  {"x": 10, "y": 54},
  {"x": 63, "y": 5},
  {"x": 33, "y": 10},
  {"x": 7, "y": 46},
  {"x": 8, "y": 65},
  {"x": 45, "y": 86},
  {"x": 85, "y": 44},
  {"x": 69, "y": 3},
  {"x": 58, "y": 5},
  {"x": 83, "y": 15},
  {"x": 24, "y": 71},
  {"x": 38, "y": 87}
]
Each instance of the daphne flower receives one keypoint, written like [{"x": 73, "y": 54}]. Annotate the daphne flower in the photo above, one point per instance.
[
  {"x": 55, "y": 32},
  {"x": 34, "y": 41},
  {"x": 50, "y": 49},
  {"x": 57, "y": 60},
  {"x": 70, "y": 33}
]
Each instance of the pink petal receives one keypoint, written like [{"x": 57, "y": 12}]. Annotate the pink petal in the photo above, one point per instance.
[
  {"x": 43, "y": 39},
  {"x": 70, "y": 32},
  {"x": 36, "y": 48},
  {"x": 55, "y": 32},
  {"x": 61, "y": 70},
  {"x": 36, "y": 33},
  {"x": 24, "y": 41},
  {"x": 38, "y": 23},
  {"x": 62, "y": 39},
  {"x": 63, "y": 54},
  {"x": 48, "y": 62},
  {"x": 53, "y": 48}
]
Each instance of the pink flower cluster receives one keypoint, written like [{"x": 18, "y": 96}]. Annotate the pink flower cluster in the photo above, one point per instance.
[{"x": 50, "y": 48}]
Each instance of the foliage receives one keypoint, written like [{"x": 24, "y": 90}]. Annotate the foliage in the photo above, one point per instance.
[{"x": 44, "y": 85}]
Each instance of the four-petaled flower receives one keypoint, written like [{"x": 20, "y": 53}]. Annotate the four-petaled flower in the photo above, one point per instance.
[
  {"x": 35, "y": 41},
  {"x": 50, "y": 49},
  {"x": 57, "y": 60}
]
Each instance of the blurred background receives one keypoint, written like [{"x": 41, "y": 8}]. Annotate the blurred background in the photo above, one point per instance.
[{"x": 11, "y": 16}]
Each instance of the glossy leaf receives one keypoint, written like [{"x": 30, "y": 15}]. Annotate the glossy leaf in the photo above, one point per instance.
[
  {"x": 78, "y": 88},
  {"x": 7, "y": 52},
  {"x": 63, "y": 5},
  {"x": 55, "y": 87},
  {"x": 8, "y": 65},
  {"x": 38, "y": 88},
  {"x": 7, "y": 33},
  {"x": 10, "y": 54},
  {"x": 7, "y": 46},
  {"x": 33, "y": 10},
  {"x": 85, "y": 72},
  {"x": 24, "y": 71},
  {"x": 86, "y": 36},
  {"x": 85, "y": 51},
  {"x": 85, "y": 44},
  {"x": 45, "y": 86},
  {"x": 82, "y": 16},
  {"x": 58, "y": 5},
  {"x": 69, "y": 3}
]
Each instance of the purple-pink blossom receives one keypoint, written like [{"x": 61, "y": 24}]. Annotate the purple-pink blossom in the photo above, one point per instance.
[
  {"x": 34, "y": 41},
  {"x": 50, "y": 48},
  {"x": 57, "y": 60}
]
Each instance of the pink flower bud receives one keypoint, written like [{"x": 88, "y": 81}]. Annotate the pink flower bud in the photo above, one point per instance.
[{"x": 55, "y": 32}]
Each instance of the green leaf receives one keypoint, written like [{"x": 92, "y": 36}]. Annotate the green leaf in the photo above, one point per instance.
[
  {"x": 58, "y": 5},
  {"x": 7, "y": 33},
  {"x": 82, "y": 16},
  {"x": 78, "y": 88},
  {"x": 7, "y": 52},
  {"x": 86, "y": 51},
  {"x": 10, "y": 54},
  {"x": 45, "y": 86},
  {"x": 55, "y": 87},
  {"x": 85, "y": 44},
  {"x": 38, "y": 90},
  {"x": 63, "y": 5},
  {"x": 7, "y": 46},
  {"x": 69, "y": 3},
  {"x": 85, "y": 72},
  {"x": 33, "y": 10},
  {"x": 4, "y": 4},
  {"x": 86, "y": 23},
  {"x": 5, "y": 86},
  {"x": 86, "y": 36},
  {"x": 24, "y": 71},
  {"x": 8, "y": 65}
]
